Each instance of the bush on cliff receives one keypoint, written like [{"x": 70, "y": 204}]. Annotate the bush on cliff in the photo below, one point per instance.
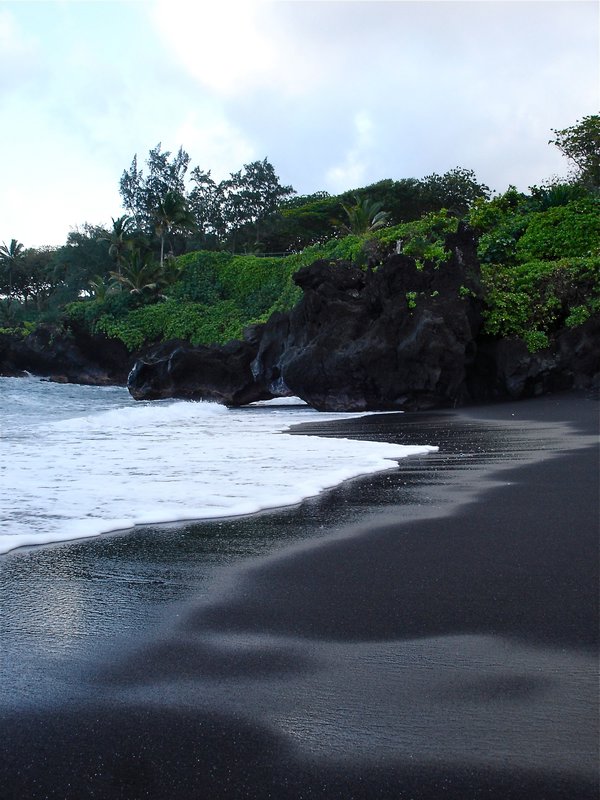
[
  {"x": 423, "y": 239},
  {"x": 535, "y": 299},
  {"x": 195, "y": 322},
  {"x": 540, "y": 259}
]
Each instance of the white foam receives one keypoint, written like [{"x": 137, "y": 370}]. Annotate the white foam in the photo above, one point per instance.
[{"x": 80, "y": 476}]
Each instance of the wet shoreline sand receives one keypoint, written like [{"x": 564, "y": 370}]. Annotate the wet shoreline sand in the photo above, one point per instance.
[{"x": 445, "y": 646}]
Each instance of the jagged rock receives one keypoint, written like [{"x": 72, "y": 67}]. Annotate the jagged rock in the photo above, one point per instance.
[
  {"x": 179, "y": 369},
  {"x": 80, "y": 358},
  {"x": 572, "y": 361},
  {"x": 397, "y": 337}
]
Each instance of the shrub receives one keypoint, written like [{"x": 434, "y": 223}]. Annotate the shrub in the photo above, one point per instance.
[
  {"x": 537, "y": 298},
  {"x": 572, "y": 230},
  {"x": 578, "y": 315},
  {"x": 424, "y": 239},
  {"x": 197, "y": 323},
  {"x": 199, "y": 277}
]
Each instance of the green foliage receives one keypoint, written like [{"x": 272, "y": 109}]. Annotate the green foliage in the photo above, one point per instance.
[
  {"x": 556, "y": 194},
  {"x": 11, "y": 267},
  {"x": 194, "y": 322},
  {"x": 580, "y": 143},
  {"x": 142, "y": 194},
  {"x": 252, "y": 282},
  {"x": 516, "y": 228},
  {"x": 455, "y": 190},
  {"x": 499, "y": 245},
  {"x": 423, "y": 239},
  {"x": 199, "y": 277},
  {"x": 141, "y": 275},
  {"x": 365, "y": 216},
  {"x": 500, "y": 223},
  {"x": 578, "y": 315},
  {"x": 535, "y": 340},
  {"x": 572, "y": 230},
  {"x": 87, "y": 312},
  {"x": 348, "y": 248},
  {"x": 487, "y": 214},
  {"x": 80, "y": 260},
  {"x": 301, "y": 224},
  {"x": 21, "y": 331},
  {"x": 312, "y": 220},
  {"x": 26, "y": 276},
  {"x": 411, "y": 299},
  {"x": 171, "y": 215},
  {"x": 539, "y": 297}
]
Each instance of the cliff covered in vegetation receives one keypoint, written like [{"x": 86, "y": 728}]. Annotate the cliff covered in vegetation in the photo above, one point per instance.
[{"x": 91, "y": 310}]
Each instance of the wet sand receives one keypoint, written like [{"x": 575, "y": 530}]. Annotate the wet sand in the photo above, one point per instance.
[{"x": 437, "y": 638}]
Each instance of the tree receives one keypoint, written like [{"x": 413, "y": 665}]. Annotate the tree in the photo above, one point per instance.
[
  {"x": 364, "y": 216},
  {"x": 26, "y": 274},
  {"x": 206, "y": 204},
  {"x": 84, "y": 256},
  {"x": 302, "y": 221},
  {"x": 120, "y": 238},
  {"x": 140, "y": 274},
  {"x": 237, "y": 207},
  {"x": 260, "y": 193},
  {"x": 143, "y": 194},
  {"x": 581, "y": 144},
  {"x": 455, "y": 190},
  {"x": 222, "y": 213},
  {"x": 38, "y": 281},
  {"x": 172, "y": 214},
  {"x": 11, "y": 263}
]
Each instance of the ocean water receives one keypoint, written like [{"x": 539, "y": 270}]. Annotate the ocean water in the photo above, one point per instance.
[{"x": 80, "y": 461}]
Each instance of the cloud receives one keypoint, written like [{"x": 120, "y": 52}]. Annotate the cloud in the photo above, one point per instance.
[
  {"x": 220, "y": 44},
  {"x": 18, "y": 53},
  {"x": 444, "y": 84},
  {"x": 353, "y": 169},
  {"x": 216, "y": 144}
]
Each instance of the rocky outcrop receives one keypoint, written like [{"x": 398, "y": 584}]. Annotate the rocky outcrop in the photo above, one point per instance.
[
  {"x": 506, "y": 368},
  {"x": 396, "y": 337},
  {"x": 65, "y": 356},
  {"x": 399, "y": 336},
  {"x": 219, "y": 374}
]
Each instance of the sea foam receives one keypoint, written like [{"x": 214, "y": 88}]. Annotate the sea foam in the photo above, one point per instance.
[{"x": 102, "y": 463}]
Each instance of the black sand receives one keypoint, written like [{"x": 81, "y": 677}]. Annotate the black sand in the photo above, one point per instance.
[{"x": 444, "y": 645}]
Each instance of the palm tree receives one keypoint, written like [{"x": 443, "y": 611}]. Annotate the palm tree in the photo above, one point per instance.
[
  {"x": 364, "y": 216},
  {"x": 120, "y": 239},
  {"x": 140, "y": 274},
  {"x": 172, "y": 215},
  {"x": 100, "y": 288},
  {"x": 11, "y": 258}
]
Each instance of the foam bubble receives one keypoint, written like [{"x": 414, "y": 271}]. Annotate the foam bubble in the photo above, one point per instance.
[{"x": 118, "y": 464}]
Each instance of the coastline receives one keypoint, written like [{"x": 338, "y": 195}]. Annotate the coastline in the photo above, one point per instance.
[{"x": 443, "y": 646}]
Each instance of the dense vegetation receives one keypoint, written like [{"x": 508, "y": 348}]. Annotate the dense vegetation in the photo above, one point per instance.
[{"x": 198, "y": 260}]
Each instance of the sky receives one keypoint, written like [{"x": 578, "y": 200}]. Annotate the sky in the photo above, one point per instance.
[{"x": 337, "y": 94}]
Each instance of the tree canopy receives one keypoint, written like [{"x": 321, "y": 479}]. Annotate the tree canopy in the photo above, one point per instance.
[{"x": 580, "y": 143}]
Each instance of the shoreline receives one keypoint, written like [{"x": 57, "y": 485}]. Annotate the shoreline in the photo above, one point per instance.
[
  {"x": 443, "y": 646},
  {"x": 99, "y": 508}
]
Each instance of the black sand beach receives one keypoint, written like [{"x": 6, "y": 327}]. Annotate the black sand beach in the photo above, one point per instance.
[{"x": 427, "y": 633}]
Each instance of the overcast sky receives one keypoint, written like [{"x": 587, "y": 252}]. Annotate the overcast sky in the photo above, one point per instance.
[{"x": 335, "y": 93}]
